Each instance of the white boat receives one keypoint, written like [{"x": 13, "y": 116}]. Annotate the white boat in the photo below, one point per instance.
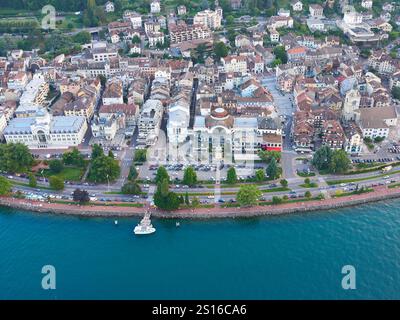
[{"x": 144, "y": 227}]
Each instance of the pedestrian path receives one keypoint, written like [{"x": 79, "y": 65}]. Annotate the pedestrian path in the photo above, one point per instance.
[{"x": 217, "y": 188}]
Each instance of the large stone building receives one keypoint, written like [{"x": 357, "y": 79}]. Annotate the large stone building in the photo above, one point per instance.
[
  {"x": 209, "y": 18},
  {"x": 33, "y": 97},
  {"x": 45, "y": 131},
  {"x": 182, "y": 32},
  {"x": 221, "y": 136}
]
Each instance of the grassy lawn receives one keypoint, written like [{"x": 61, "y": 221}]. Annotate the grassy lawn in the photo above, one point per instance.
[
  {"x": 67, "y": 173},
  {"x": 269, "y": 203},
  {"x": 136, "y": 205},
  {"x": 343, "y": 194},
  {"x": 124, "y": 194},
  {"x": 70, "y": 22},
  {"x": 205, "y": 193},
  {"x": 371, "y": 168},
  {"x": 9, "y": 12},
  {"x": 279, "y": 189},
  {"x": 333, "y": 182},
  {"x": 309, "y": 185},
  {"x": 27, "y": 185},
  {"x": 305, "y": 175},
  {"x": 283, "y": 3}
]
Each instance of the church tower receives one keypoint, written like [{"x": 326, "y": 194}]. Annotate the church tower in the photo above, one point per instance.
[
  {"x": 218, "y": 9},
  {"x": 351, "y": 104}
]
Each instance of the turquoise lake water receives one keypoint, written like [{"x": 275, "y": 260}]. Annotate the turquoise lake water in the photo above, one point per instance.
[{"x": 287, "y": 257}]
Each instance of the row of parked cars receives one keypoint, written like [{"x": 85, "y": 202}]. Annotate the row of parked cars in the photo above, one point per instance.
[{"x": 382, "y": 160}]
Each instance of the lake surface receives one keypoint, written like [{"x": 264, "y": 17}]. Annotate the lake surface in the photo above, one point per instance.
[{"x": 286, "y": 257}]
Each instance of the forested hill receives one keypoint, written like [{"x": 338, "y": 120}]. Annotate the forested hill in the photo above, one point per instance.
[
  {"x": 61, "y": 5},
  {"x": 80, "y": 5}
]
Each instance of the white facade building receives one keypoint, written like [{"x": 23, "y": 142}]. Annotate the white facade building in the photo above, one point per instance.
[
  {"x": 208, "y": 18},
  {"x": 367, "y": 4},
  {"x": 3, "y": 124},
  {"x": 149, "y": 122},
  {"x": 46, "y": 131},
  {"x": 155, "y": 6},
  {"x": 225, "y": 137},
  {"x": 33, "y": 97}
]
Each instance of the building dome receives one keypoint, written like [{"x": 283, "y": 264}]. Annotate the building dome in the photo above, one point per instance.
[
  {"x": 219, "y": 117},
  {"x": 219, "y": 113}
]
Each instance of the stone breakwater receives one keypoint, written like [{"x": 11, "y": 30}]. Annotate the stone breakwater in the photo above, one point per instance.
[{"x": 381, "y": 193}]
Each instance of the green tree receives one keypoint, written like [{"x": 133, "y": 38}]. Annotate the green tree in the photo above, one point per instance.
[
  {"x": 166, "y": 200},
  {"x": 284, "y": 183},
  {"x": 73, "y": 158},
  {"x": 82, "y": 37},
  {"x": 230, "y": 20},
  {"x": 97, "y": 151},
  {"x": 164, "y": 187},
  {"x": 248, "y": 195},
  {"x": 140, "y": 155},
  {"x": 5, "y": 186},
  {"x": 276, "y": 62},
  {"x": 231, "y": 177},
  {"x": 131, "y": 188},
  {"x": 273, "y": 170},
  {"x": 322, "y": 158},
  {"x": 56, "y": 183},
  {"x": 32, "y": 181},
  {"x": 132, "y": 173},
  {"x": 189, "y": 176},
  {"x": 15, "y": 158},
  {"x": 195, "y": 202},
  {"x": 276, "y": 200},
  {"x": 267, "y": 156},
  {"x": 260, "y": 175},
  {"x": 56, "y": 166},
  {"x": 308, "y": 194},
  {"x": 396, "y": 93},
  {"x": 104, "y": 169},
  {"x": 161, "y": 175},
  {"x": 81, "y": 196},
  {"x": 220, "y": 50},
  {"x": 340, "y": 162},
  {"x": 187, "y": 201},
  {"x": 136, "y": 39},
  {"x": 280, "y": 53},
  {"x": 307, "y": 181}
]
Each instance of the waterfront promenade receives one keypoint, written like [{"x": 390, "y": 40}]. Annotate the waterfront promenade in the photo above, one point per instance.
[{"x": 379, "y": 193}]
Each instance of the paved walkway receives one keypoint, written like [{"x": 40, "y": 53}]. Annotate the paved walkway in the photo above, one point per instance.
[{"x": 380, "y": 193}]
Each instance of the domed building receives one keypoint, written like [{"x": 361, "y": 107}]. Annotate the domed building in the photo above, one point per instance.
[
  {"x": 46, "y": 131},
  {"x": 221, "y": 136}
]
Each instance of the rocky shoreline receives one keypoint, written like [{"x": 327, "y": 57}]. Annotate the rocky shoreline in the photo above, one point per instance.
[{"x": 287, "y": 208}]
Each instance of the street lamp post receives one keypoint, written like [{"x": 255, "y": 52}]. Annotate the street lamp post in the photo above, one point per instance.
[{"x": 108, "y": 184}]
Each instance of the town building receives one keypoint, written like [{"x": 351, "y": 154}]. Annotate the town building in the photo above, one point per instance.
[
  {"x": 113, "y": 93},
  {"x": 155, "y": 6},
  {"x": 376, "y": 122},
  {"x": 208, "y": 18},
  {"x": 149, "y": 122},
  {"x": 221, "y": 136},
  {"x": 182, "y": 32},
  {"x": 367, "y": 4},
  {"x": 296, "y": 5},
  {"x": 33, "y": 97},
  {"x": 109, "y": 7},
  {"x": 316, "y": 11},
  {"x": 181, "y": 10},
  {"x": 46, "y": 131}
]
